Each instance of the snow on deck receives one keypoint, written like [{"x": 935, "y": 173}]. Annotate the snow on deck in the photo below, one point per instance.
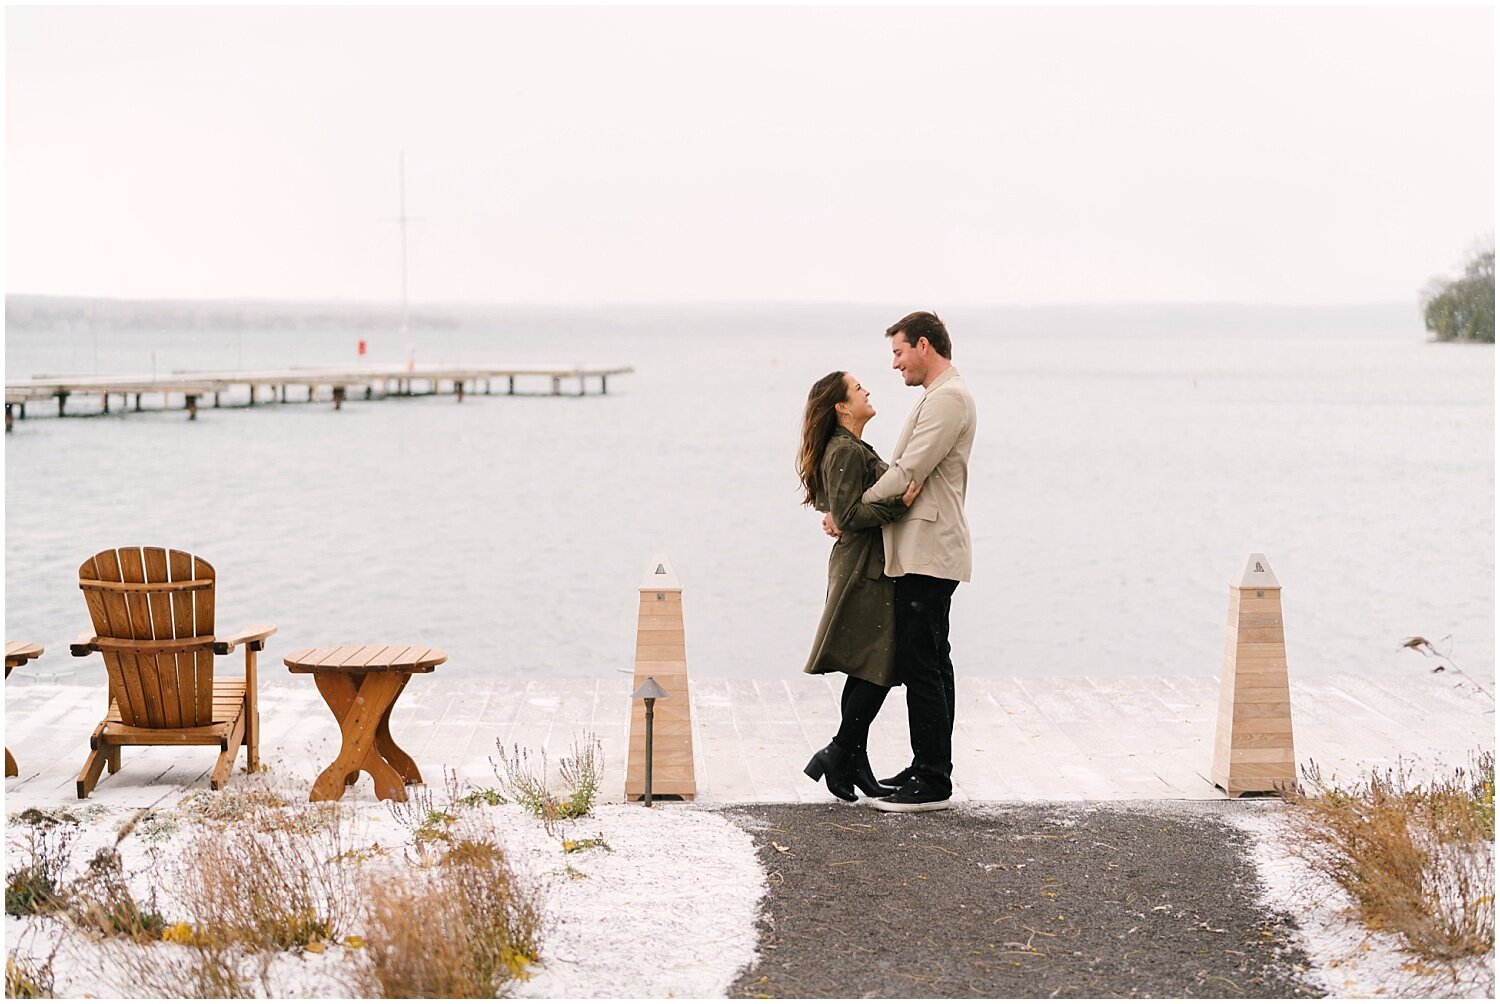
[{"x": 1016, "y": 738}]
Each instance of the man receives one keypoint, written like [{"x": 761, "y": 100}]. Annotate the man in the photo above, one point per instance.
[{"x": 928, "y": 552}]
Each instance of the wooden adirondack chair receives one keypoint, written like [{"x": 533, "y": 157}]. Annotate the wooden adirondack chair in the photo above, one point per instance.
[{"x": 153, "y": 613}]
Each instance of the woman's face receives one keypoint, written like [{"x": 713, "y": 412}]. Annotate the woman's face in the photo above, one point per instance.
[{"x": 857, "y": 400}]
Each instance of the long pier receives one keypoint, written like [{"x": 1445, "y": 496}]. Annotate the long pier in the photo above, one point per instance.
[{"x": 191, "y": 387}]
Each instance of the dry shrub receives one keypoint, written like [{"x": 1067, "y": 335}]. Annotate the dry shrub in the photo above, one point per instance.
[
  {"x": 36, "y": 884},
  {"x": 464, "y": 926},
  {"x": 29, "y": 973},
  {"x": 203, "y": 972},
  {"x": 26, "y": 978},
  {"x": 270, "y": 881},
  {"x": 245, "y": 802},
  {"x": 1418, "y": 860},
  {"x": 255, "y": 883},
  {"x": 101, "y": 901}
]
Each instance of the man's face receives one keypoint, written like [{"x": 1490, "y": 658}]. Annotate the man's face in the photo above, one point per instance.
[{"x": 910, "y": 359}]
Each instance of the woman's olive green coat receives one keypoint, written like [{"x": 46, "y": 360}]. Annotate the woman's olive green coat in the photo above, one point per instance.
[{"x": 857, "y": 634}]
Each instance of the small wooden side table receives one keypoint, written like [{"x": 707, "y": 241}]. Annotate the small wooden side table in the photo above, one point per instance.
[
  {"x": 17, "y": 653},
  {"x": 360, "y": 684}
]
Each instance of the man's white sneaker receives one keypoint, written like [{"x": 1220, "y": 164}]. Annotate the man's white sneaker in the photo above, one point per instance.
[{"x": 912, "y": 798}]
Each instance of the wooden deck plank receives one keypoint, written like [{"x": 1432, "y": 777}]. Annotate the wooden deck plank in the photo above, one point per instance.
[{"x": 750, "y": 743}]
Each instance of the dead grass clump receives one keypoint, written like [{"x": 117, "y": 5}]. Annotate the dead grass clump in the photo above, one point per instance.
[
  {"x": 30, "y": 966},
  {"x": 28, "y": 978},
  {"x": 1418, "y": 860},
  {"x": 36, "y": 884},
  {"x": 242, "y": 803},
  {"x": 207, "y": 972},
  {"x": 463, "y": 927},
  {"x": 526, "y": 780},
  {"x": 101, "y": 901},
  {"x": 263, "y": 882},
  {"x": 262, "y": 886}
]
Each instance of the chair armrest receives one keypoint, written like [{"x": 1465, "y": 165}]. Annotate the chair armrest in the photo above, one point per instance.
[
  {"x": 84, "y": 644},
  {"x": 255, "y": 636}
]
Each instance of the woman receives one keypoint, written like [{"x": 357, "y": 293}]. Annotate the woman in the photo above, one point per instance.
[{"x": 857, "y": 633}]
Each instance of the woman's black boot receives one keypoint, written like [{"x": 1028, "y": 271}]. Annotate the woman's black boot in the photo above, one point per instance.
[
  {"x": 831, "y": 764},
  {"x": 862, "y": 776}
]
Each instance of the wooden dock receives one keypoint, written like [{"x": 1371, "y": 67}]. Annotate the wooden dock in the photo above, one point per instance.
[
  {"x": 248, "y": 388},
  {"x": 1015, "y": 739}
]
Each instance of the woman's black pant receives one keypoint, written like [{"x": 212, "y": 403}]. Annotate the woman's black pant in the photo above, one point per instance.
[{"x": 858, "y": 707}]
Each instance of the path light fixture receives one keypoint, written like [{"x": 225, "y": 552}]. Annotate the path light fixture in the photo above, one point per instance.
[
  {"x": 650, "y": 692},
  {"x": 661, "y": 656}
]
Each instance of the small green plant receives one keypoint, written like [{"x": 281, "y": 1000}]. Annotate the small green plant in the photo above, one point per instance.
[
  {"x": 582, "y": 772},
  {"x": 428, "y": 824},
  {"x": 482, "y": 796},
  {"x": 586, "y": 844},
  {"x": 472, "y": 797},
  {"x": 525, "y": 780},
  {"x": 435, "y": 826},
  {"x": 36, "y": 884}
]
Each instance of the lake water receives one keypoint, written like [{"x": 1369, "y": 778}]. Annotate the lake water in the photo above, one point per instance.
[{"x": 1126, "y": 464}]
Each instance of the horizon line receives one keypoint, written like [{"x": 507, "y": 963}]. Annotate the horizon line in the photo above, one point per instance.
[{"x": 723, "y": 302}]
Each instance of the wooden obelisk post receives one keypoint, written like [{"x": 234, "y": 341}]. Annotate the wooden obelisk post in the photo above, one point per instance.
[
  {"x": 1253, "y": 742},
  {"x": 661, "y": 654}
]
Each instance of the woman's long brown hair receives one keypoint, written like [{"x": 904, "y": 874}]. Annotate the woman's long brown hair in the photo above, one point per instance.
[{"x": 818, "y": 423}]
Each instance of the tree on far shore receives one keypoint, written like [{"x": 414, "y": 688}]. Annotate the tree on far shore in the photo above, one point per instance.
[{"x": 1463, "y": 310}]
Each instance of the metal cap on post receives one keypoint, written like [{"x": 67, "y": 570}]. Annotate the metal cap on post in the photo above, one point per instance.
[
  {"x": 649, "y": 691},
  {"x": 661, "y": 661}
]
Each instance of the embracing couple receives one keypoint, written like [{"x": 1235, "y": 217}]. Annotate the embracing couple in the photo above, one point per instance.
[{"x": 901, "y": 549}]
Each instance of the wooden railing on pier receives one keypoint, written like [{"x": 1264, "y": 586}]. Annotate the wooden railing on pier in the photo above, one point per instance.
[{"x": 254, "y": 387}]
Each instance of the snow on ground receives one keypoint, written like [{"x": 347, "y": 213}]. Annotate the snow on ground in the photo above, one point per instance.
[
  {"x": 1349, "y": 960},
  {"x": 668, "y": 909}
]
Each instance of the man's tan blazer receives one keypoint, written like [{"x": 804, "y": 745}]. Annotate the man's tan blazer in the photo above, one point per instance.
[{"x": 933, "y": 448}]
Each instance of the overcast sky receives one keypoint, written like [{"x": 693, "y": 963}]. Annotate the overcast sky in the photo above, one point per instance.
[{"x": 585, "y": 155}]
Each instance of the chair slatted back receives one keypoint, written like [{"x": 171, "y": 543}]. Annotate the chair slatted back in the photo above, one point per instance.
[{"x": 153, "y": 613}]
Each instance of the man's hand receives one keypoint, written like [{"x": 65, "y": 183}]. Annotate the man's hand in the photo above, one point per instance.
[
  {"x": 912, "y": 491},
  {"x": 830, "y": 527}
]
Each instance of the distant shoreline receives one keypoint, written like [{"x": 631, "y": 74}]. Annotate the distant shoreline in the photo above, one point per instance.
[{"x": 44, "y": 313}]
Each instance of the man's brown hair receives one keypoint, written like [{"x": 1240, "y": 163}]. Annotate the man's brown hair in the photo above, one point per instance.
[{"x": 923, "y": 324}]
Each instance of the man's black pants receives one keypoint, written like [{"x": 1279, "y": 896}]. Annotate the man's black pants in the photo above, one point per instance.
[{"x": 924, "y": 664}]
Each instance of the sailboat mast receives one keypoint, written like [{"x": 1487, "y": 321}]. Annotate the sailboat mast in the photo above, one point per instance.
[{"x": 402, "y": 220}]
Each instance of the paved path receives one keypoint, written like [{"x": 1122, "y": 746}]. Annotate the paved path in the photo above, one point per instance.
[
  {"x": 1123, "y": 900},
  {"x": 1017, "y": 738}
]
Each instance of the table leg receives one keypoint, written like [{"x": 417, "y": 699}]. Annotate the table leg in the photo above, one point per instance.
[
  {"x": 339, "y": 691},
  {"x": 375, "y": 693},
  {"x": 393, "y": 754},
  {"x": 11, "y": 770}
]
